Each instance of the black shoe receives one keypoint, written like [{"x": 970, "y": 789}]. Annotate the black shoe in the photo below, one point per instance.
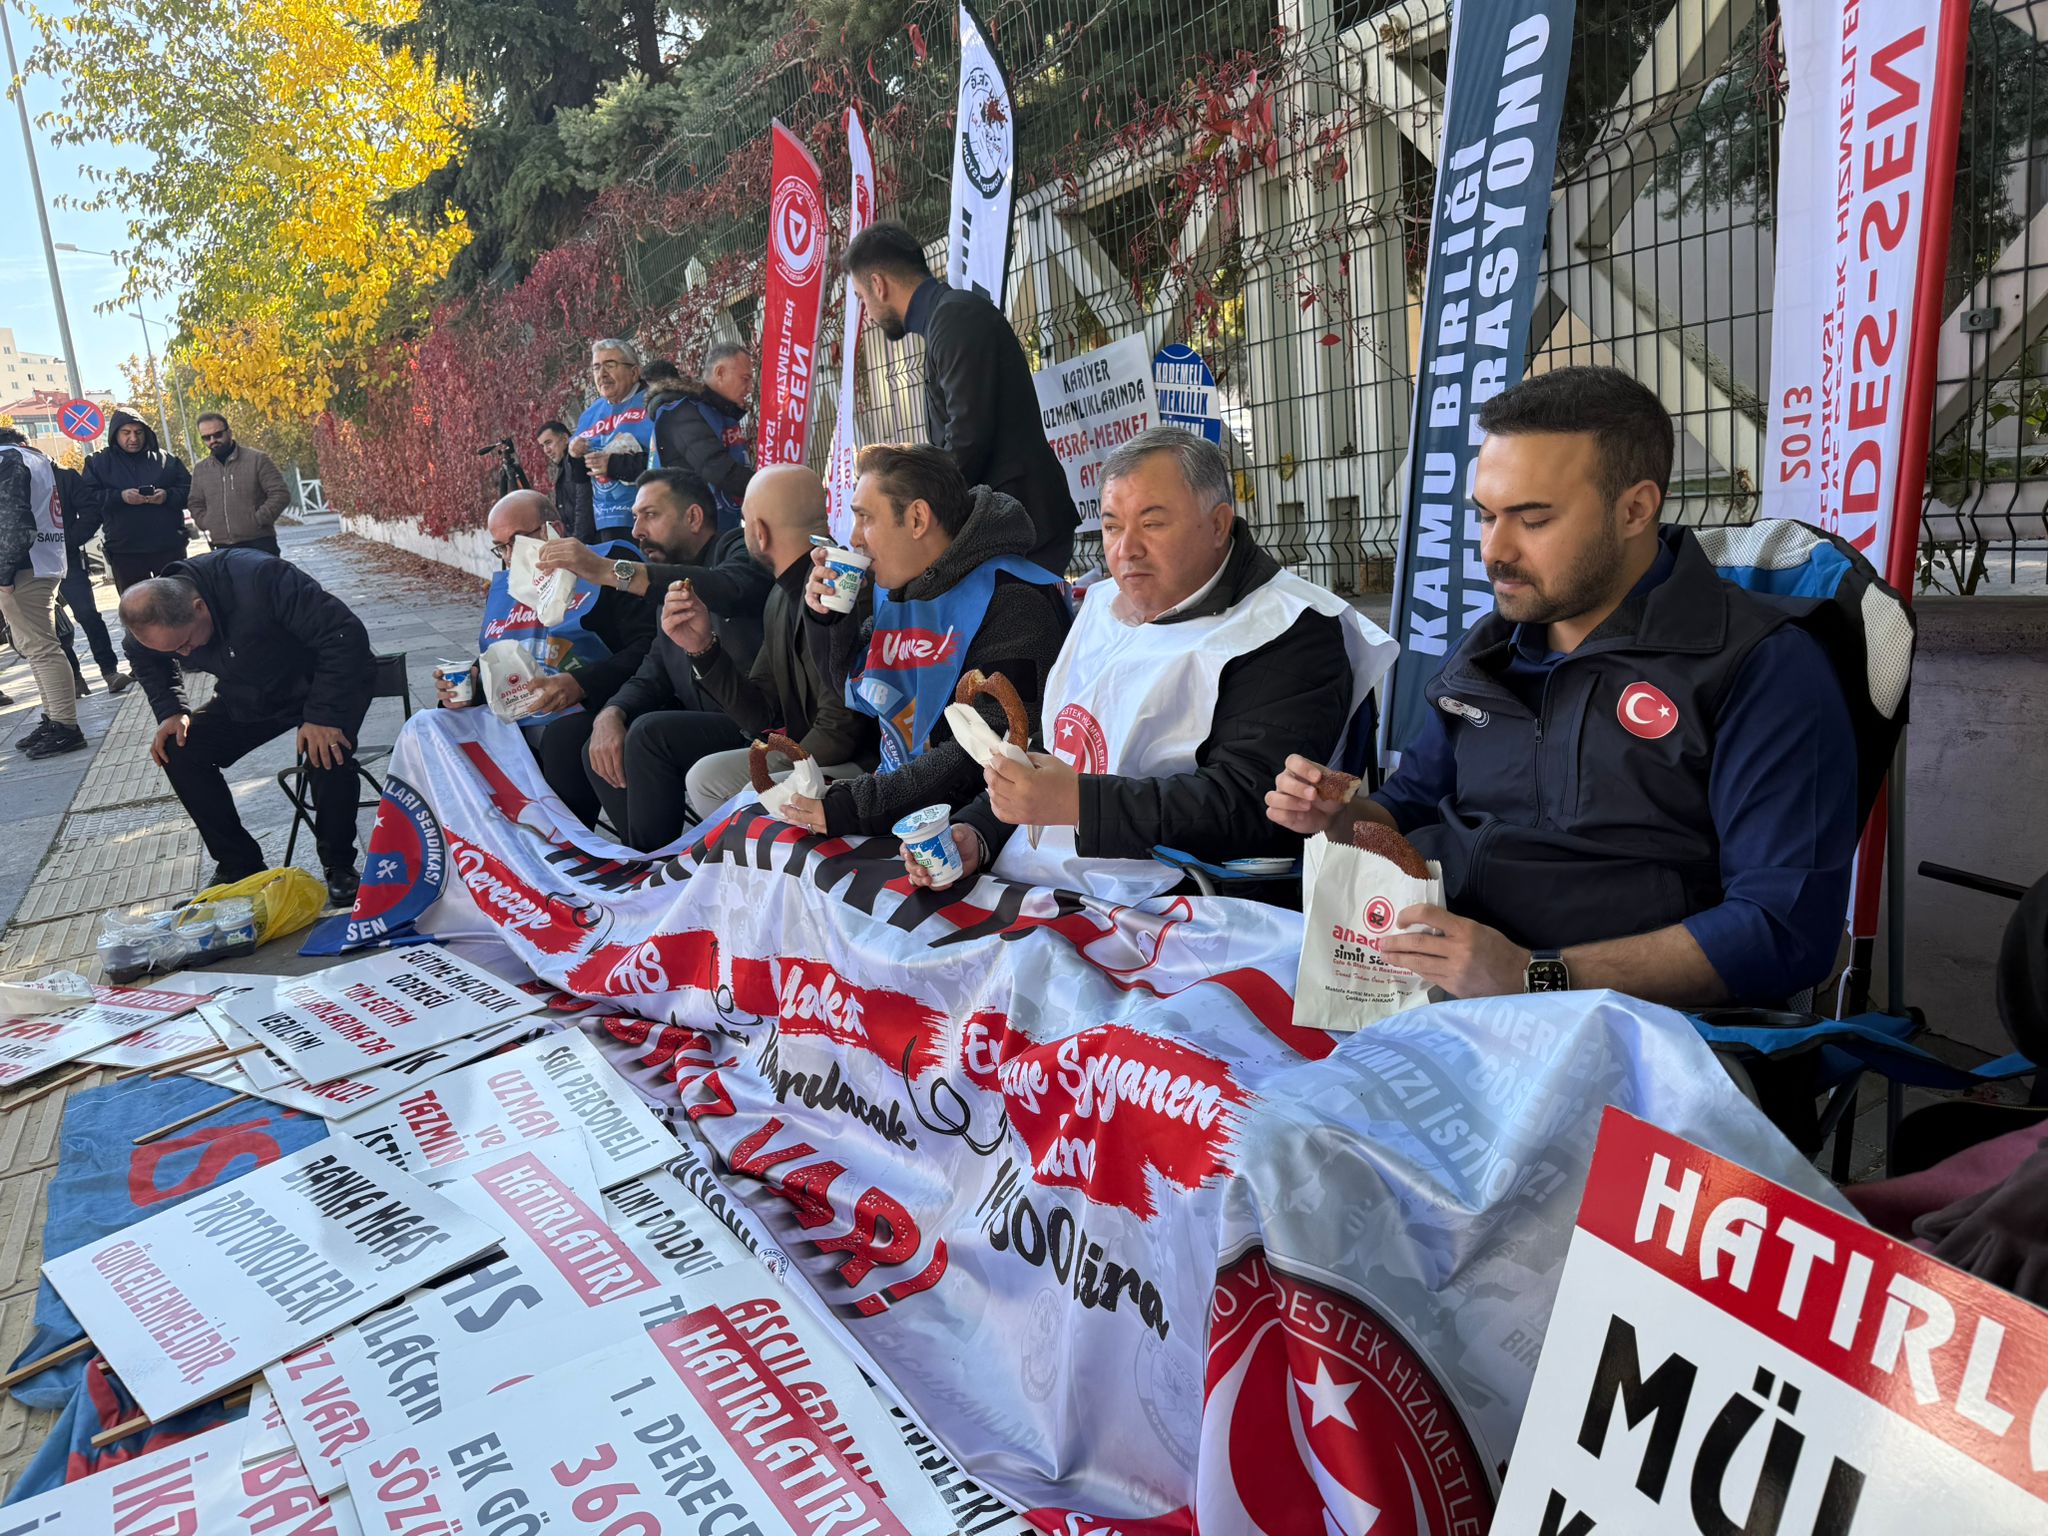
[
  {"x": 42, "y": 729},
  {"x": 222, "y": 875},
  {"x": 118, "y": 682},
  {"x": 79, "y": 685},
  {"x": 342, "y": 885},
  {"x": 6, "y": 701},
  {"x": 60, "y": 739}
]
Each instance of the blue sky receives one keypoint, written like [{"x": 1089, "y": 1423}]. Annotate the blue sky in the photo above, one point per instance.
[{"x": 104, "y": 340}]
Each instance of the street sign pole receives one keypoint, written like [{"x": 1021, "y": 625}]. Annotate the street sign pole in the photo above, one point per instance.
[{"x": 35, "y": 183}]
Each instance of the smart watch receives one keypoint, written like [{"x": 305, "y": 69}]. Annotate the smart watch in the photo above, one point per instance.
[
  {"x": 622, "y": 573},
  {"x": 1546, "y": 972}
]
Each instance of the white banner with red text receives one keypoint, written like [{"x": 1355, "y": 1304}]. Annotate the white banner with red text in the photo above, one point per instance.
[
  {"x": 798, "y": 238},
  {"x": 1129, "y": 1243},
  {"x": 840, "y": 464}
]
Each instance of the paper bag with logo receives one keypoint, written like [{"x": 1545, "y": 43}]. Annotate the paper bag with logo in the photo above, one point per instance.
[
  {"x": 509, "y": 673},
  {"x": 547, "y": 594},
  {"x": 1344, "y": 982}
]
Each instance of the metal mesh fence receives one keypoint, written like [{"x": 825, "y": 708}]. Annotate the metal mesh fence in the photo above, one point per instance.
[{"x": 1254, "y": 178}]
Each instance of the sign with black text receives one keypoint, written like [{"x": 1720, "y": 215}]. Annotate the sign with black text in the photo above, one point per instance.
[
  {"x": 39, "y": 1042},
  {"x": 1091, "y": 406}
]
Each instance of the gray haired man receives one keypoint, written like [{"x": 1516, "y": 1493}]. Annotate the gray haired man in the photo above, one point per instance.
[
  {"x": 612, "y": 438},
  {"x": 700, "y": 429}
]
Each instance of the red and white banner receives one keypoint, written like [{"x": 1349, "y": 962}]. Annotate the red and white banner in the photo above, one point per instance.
[
  {"x": 798, "y": 242},
  {"x": 1865, "y": 180},
  {"x": 1727, "y": 1355},
  {"x": 1141, "y": 1253},
  {"x": 839, "y": 469}
]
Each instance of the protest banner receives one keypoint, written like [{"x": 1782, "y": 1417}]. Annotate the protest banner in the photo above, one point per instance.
[
  {"x": 199, "y": 1487},
  {"x": 984, "y": 168},
  {"x": 36, "y": 1044},
  {"x": 1728, "y": 1355},
  {"x": 191, "y": 1300},
  {"x": 1092, "y": 405},
  {"x": 1068, "y": 1175},
  {"x": 798, "y": 240},
  {"x": 840, "y": 464},
  {"x": 374, "y": 1012},
  {"x": 1504, "y": 100},
  {"x": 553, "y": 1083}
]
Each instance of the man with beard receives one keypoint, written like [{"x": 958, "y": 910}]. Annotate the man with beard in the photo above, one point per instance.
[
  {"x": 980, "y": 407},
  {"x": 644, "y": 742},
  {"x": 1634, "y": 774},
  {"x": 237, "y": 493}
]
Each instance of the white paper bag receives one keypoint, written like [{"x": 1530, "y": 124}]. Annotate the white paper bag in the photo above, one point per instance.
[
  {"x": 806, "y": 778},
  {"x": 509, "y": 673},
  {"x": 1344, "y": 982},
  {"x": 546, "y": 594}
]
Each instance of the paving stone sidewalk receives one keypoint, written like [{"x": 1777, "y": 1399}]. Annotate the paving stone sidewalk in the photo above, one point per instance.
[{"x": 98, "y": 830}]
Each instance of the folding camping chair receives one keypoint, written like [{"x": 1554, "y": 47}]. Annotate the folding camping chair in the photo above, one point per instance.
[{"x": 388, "y": 681}]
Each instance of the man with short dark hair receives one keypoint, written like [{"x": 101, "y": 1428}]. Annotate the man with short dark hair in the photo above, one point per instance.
[
  {"x": 980, "y": 405},
  {"x": 1634, "y": 774},
  {"x": 137, "y": 490},
  {"x": 237, "y": 493},
  {"x": 571, "y": 490},
  {"x": 289, "y": 655},
  {"x": 699, "y": 429},
  {"x": 951, "y": 589}
]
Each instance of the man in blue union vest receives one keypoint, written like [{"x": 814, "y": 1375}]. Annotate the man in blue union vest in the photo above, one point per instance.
[
  {"x": 583, "y": 660},
  {"x": 612, "y": 438},
  {"x": 1634, "y": 774},
  {"x": 951, "y": 589}
]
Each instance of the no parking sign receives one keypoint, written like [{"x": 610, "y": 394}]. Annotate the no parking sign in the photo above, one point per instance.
[{"x": 80, "y": 420}]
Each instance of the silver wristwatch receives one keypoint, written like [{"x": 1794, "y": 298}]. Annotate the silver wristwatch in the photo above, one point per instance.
[{"x": 622, "y": 573}]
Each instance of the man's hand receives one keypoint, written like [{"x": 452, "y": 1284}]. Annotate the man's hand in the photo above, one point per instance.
[
  {"x": 822, "y": 581},
  {"x": 599, "y": 464},
  {"x": 323, "y": 745},
  {"x": 133, "y": 497},
  {"x": 608, "y": 747},
  {"x": 550, "y": 694},
  {"x": 444, "y": 691},
  {"x": 573, "y": 555},
  {"x": 1292, "y": 802},
  {"x": 685, "y": 619},
  {"x": 1465, "y": 958},
  {"x": 578, "y": 446},
  {"x": 156, "y": 494},
  {"x": 803, "y": 811},
  {"x": 967, "y": 840},
  {"x": 1046, "y": 794},
  {"x": 167, "y": 731}
]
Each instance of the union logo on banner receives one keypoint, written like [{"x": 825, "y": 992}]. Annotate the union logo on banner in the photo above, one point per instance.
[
  {"x": 796, "y": 226},
  {"x": 404, "y": 868}
]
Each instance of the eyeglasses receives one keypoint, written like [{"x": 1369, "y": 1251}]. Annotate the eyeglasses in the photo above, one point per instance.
[
  {"x": 213, "y": 437},
  {"x": 504, "y": 551}
]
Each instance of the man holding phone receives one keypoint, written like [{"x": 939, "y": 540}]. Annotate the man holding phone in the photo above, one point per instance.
[{"x": 139, "y": 493}]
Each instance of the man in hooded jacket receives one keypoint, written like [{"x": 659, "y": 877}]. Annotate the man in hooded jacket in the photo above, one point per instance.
[
  {"x": 138, "y": 493},
  {"x": 699, "y": 429}
]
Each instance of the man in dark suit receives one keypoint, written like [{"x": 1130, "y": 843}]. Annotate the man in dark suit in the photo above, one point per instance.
[{"x": 979, "y": 404}]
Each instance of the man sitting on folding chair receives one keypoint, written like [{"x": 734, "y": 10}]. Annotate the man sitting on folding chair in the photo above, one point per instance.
[
  {"x": 289, "y": 655},
  {"x": 1636, "y": 774},
  {"x": 1182, "y": 683}
]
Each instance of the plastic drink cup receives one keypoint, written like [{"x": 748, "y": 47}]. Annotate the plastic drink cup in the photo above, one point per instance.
[
  {"x": 460, "y": 676},
  {"x": 846, "y": 566},
  {"x": 927, "y": 836}
]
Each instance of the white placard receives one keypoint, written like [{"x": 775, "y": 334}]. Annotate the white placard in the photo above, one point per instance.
[
  {"x": 671, "y": 1230},
  {"x": 372, "y": 1013},
  {"x": 1092, "y": 405},
  {"x": 203, "y": 1486},
  {"x": 540, "y": 1088},
  {"x": 32, "y": 1045},
  {"x": 187, "y": 1302},
  {"x": 352, "y": 1095},
  {"x": 1726, "y": 1355}
]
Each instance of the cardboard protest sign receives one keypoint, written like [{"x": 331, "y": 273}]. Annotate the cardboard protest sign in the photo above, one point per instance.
[
  {"x": 374, "y": 1012},
  {"x": 189, "y": 1301},
  {"x": 32, "y": 1045},
  {"x": 740, "y": 1404},
  {"x": 259, "y": 1073},
  {"x": 1726, "y": 1355},
  {"x": 200, "y": 1485},
  {"x": 1092, "y": 405},
  {"x": 177, "y": 1036},
  {"x": 671, "y": 1230},
  {"x": 534, "y": 1091}
]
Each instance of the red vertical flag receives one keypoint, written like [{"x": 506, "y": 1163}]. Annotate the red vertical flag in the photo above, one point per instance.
[{"x": 797, "y": 240}]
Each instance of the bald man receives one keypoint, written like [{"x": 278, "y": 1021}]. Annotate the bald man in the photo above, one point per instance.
[
  {"x": 599, "y": 643},
  {"x": 782, "y": 691}
]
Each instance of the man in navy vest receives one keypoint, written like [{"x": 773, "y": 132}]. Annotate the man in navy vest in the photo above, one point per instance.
[{"x": 1634, "y": 774}]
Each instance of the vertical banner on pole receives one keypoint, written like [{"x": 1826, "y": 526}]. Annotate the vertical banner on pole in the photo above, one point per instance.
[
  {"x": 797, "y": 241},
  {"x": 984, "y": 168},
  {"x": 839, "y": 470},
  {"x": 1871, "y": 120},
  {"x": 1503, "y": 103}
]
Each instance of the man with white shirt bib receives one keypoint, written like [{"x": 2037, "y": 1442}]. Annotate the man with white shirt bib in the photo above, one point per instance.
[{"x": 1174, "y": 693}]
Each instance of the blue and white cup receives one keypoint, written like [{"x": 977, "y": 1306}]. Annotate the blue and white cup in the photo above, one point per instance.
[
  {"x": 460, "y": 676},
  {"x": 927, "y": 836},
  {"x": 846, "y": 567}
]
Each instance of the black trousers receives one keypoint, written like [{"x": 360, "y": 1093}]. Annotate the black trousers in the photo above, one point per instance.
[
  {"x": 77, "y": 591},
  {"x": 558, "y": 746},
  {"x": 130, "y": 566},
  {"x": 216, "y": 739},
  {"x": 267, "y": 543},
  {"x": 661, "y": 748}
]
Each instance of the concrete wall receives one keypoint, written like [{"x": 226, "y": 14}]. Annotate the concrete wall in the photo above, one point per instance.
[{"x": 469, "y": 550}]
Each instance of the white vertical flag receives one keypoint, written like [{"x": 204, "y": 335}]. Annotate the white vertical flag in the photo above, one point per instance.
[
  {"x": 839, "y": 471},
  {"x": 984, "y": 168}
]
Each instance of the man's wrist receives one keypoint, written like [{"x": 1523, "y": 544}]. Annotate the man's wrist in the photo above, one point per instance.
[{"x": 710, "y": 650}]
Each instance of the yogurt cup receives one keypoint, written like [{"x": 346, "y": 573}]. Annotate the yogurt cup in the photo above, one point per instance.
[
  {"x": 460, "y": 676},
  {"x": 927, "y": 836},
  {"x": 847, "y": 567}
]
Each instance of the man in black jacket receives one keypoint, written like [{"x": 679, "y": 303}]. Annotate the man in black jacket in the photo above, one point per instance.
[
  {"x": 80, "y": 524},
  {"x": 644, "y": 742},
  {"x": 979, "y": 403},
  {"x": 601, "y": 642},
  {"x": 288, "y": 655},
  {"x": 699, "y": 429},
  {"x": 950, "y": 590},
  {"x": 783, "y": 691},
  {"x": 1170, "y": 709},
  {"x": 571, "y": 490},
  {"x": 138, "y": 493}
]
